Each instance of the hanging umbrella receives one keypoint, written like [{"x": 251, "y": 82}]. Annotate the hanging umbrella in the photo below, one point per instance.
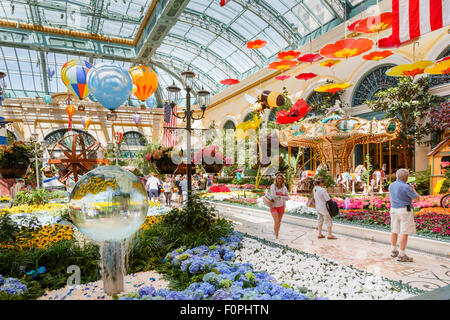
[
  {"x": 409, "y": 70},
  {"x": 310, "y": 57},
  {"x": 282, "y": 78},
  {"x": 282, "y": 65},
  {"x": 375, "y": 23},
  {"x": 346, "y": 48},
  {"x": 333, "y": 88},
  {"x": 305, "y": 76},
  {"x": 378, "y": 55},
  {"x": 288, "y": 55},
  {"x": 256, "y": 44},
  {"x": 329, "y": 63},
  {"x": 442, "y": 67},
  {"x": 229, "y": 82}
]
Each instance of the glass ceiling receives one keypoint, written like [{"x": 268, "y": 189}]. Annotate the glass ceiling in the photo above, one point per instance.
[{"x": 206, "y": 37}]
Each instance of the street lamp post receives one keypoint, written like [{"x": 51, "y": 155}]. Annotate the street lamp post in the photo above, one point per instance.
[
  {"x": 203, "y": 97},
  {"x": 34, "y": 139}
]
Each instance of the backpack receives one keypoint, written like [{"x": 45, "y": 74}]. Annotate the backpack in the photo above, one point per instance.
[
  {"x": 268, "y": 201},
  {"x": 333, "y": 208}
]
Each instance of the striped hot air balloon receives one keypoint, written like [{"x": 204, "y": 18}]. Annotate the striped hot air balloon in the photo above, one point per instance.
[
  {"x": 145, "y": 80},
  {"x": 74, "y": 77}
]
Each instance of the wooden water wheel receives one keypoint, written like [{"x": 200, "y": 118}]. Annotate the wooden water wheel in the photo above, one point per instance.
[{"x": 73, "y": 157}]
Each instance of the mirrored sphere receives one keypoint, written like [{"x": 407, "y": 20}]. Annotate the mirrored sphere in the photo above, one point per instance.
[{"x": 108, "y": 204}]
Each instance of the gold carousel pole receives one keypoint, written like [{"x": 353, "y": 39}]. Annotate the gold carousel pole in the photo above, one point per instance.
[{"x": 390, "y": 179}]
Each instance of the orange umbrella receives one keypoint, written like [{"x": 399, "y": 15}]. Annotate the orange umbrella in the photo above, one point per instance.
[
  {"x": 442, "y": 67},
  {"x": 375, "y": 24},
  {"x": 256, "y": 44},
  {"x": 346, "y": 48},
  {"x": 378, "y": 55},
  {"x": 411, "y": 70},
  {"x": 329, "y": 63},
  {"x": 333, "y": 88},
  {"x": 282, "y": 65},
  {"x": 288, "y": 55}
]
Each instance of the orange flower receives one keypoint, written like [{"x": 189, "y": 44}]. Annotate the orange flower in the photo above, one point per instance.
[
  {"x": 412, "y": 70},
  {"x": 256, "y": 44},
  {"x": 282, "y": 65},
  {"x": 282, "y": 78},
  {"x": 329, "y": 63},
  {"x": 229, "y": 82},
  {"x": 288, "y": 55},
  {"x": 310, "y": 57},
  {"x": 378, "y": 55},
  {"x": 375, "y": 24},
  {"x": 442, "y": 67},
  {"x": 346, "y": 48},
  {"x": 333, "y": 88}
]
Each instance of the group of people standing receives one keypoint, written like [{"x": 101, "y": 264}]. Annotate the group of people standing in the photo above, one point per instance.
[
  {"x": 174, "y": 184},
  {"x": 401, "y": 193}
]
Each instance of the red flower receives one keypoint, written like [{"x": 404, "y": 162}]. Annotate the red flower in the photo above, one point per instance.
[
  {"x": 353, "y": 25},
  {"x": 305, "y": 76},
  {"x": 374, "y": 24},
  {"x": 346, "y": 48},
  {"x": 378, "y": 55},
  {"x": 229, "y": 82},
  {"x": 282, "y": 65}
]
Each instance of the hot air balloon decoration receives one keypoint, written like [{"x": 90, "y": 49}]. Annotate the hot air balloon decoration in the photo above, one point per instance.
[
  {"x": 145, "y": 80},
  {"x": 74, "y": 76},
  {"x": 70, "y": 109},
  {"x": 137, "y": 118},
  {"x": 47, "y": 98},
  {"x": 118, "y": 136},
  {"x": 50, "y": 73},
  {"x": 86, "y": 122},
  {"x": 110, "y": 85}
]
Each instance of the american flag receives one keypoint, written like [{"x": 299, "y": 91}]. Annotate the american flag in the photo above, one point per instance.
[
  {"x": 223, "y": 2},
  {"x": 169, "y": 136},
  {"x": 413, "y": 18}
]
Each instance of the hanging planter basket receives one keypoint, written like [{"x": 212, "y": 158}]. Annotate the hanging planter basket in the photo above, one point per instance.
[
  {"x": 16, "y": 172},
  {"x": 165, "y": 166},
  {"x": 212, "y": 168}
]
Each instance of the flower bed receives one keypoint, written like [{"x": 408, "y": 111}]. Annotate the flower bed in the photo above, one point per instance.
[
  {"x": 11, "y": 288},
  {"x": 241, "y": 269},
  {"x": 25, "y": 208},
  {"x": 317, "y": 276}
]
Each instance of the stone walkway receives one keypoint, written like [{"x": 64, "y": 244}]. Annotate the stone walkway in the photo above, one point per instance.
[{"x": 427, "y": 272}]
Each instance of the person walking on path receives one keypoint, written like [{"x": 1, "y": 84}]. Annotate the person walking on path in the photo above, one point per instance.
[
  {"x": 152, "y": 187},
  {"x": 184, "y": 189},
  {"x": 402, "y": 216},
  {"x": 280, "y": 195},
  {"x": 321, "y": 197},
  {"x": 167, "y": 186}
]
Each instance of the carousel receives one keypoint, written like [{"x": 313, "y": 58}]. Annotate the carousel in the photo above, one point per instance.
[{"x": 332, "y": 139}]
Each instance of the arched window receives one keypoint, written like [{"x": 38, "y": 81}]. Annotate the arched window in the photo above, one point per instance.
[
  {"x": 437, "y": 79},
  {"x": 373, "y": 82},
  {"x": 249, "y": 116},
  {"x": 57, "y": 135},
  {"x": 133, "y": 139},
  {"x": 229, "y": 125}
]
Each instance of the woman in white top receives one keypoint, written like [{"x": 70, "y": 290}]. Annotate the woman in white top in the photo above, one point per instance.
[
  {"x": 321, "y": 197},
  {"x": 280, "y": 195},
  {"x": 167, "y": 186}
]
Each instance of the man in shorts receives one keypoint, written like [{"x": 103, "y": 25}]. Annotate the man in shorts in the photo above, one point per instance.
[
  {"x": 152, "y": 187},
  {"x": 402, "y": 216}
]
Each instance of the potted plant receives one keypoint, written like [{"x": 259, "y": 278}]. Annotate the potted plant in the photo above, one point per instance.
[
  {"x": 444, "y": 166},
  {"x": 211, "y": 159},
  {"x": 162, "y": 159},
  {"x": 14, "y": 159}
]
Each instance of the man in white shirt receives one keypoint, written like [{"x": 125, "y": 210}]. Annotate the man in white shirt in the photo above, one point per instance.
[
  {"x": 152, "y": 187},
  {"x": 184, "y": 188},
  {"x": 321, "y": 197}
]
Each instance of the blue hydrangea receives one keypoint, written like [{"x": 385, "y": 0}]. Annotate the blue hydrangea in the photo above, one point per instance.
[
  {"x": 13, "y": 286},
  {"x": 147, "y": 291},
  {"x": 1, "y": 280},
  {"x": 222, "y": 295}
]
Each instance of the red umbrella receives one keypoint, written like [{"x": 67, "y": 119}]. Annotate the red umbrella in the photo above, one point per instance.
[
  {"x": 229, "y": 82},
  {"x": 375, "y": 24},
  {"x": 346, "y": 48},
  {"x": 256, "y": 44},
  {"x": 310, "y": 57},
  {"x": 305, "y": 76},
  {"x": 288, "y": 55},
  {"x": 378, "y": 55},
  {"x": 282, "y": 78}
]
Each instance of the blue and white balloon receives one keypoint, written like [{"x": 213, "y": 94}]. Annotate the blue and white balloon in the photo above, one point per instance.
[
  {"x": 151, "y": 103},
  {"x": 47, "y": 98},
  {"x": 110, "y": 85}
]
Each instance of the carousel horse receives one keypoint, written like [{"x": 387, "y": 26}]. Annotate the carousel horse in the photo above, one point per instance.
[
  {"x": 378, "y": 178},
  {"x": 359, "y": 170},
  {"x": 345, "y": 178},
  {"x": 306, "y": 180}
]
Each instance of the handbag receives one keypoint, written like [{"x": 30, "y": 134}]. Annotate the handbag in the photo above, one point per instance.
[
  {"x": 267, "y": 199},
  {"x": 311, "y": 203}
]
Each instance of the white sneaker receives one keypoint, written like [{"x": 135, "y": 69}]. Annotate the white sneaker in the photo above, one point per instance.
[{"x": 277, "y": 241}]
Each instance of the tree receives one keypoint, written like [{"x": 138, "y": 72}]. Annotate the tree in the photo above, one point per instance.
[{"x": 410, "y": 102}]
